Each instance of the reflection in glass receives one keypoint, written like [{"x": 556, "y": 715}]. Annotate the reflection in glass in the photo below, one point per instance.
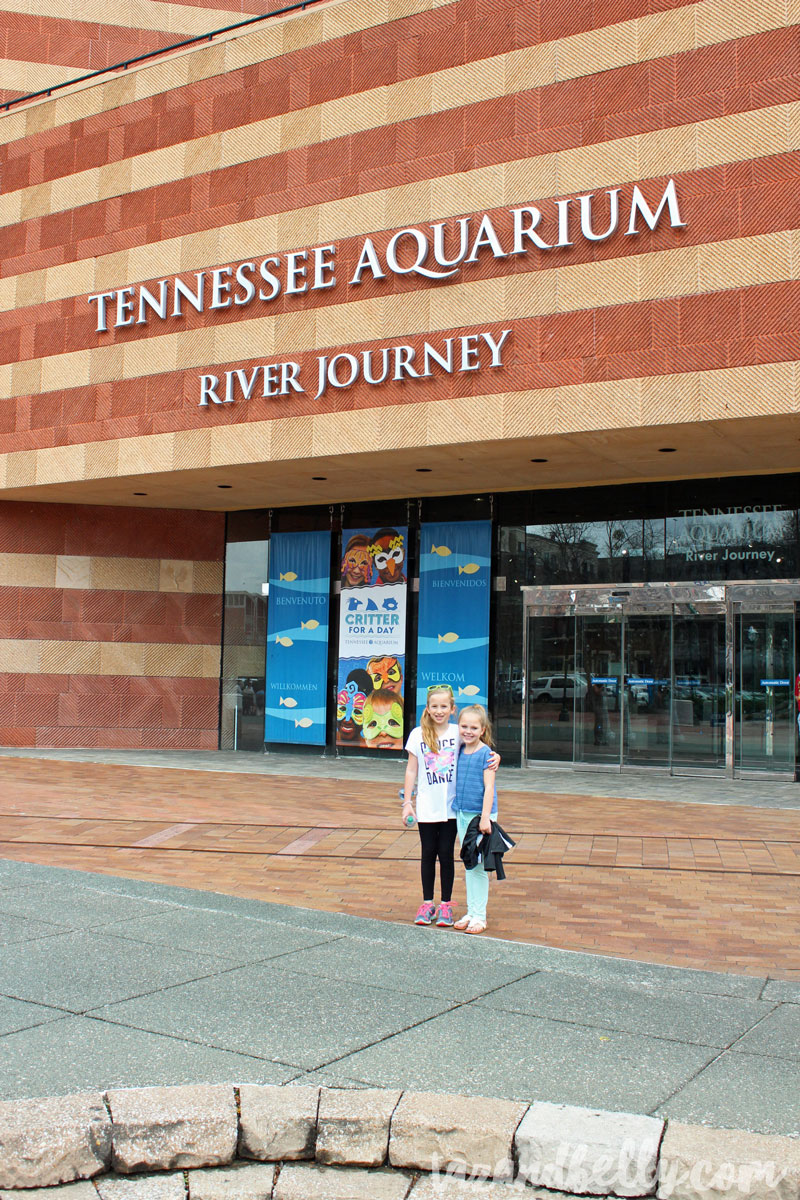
[
  {"x": 744, "y": 542},
  {"x": 647, "y": 696},
  {"x": 244, "y": 646},
  {"x": 699, "y": 707},
  {"x": 766, "y": 732},
  {"x": 598, "y": 717},
  {"x": 555, "y": 690}
]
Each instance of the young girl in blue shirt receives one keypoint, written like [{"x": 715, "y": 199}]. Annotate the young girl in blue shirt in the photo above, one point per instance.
[{"x": 476, "y": 794}]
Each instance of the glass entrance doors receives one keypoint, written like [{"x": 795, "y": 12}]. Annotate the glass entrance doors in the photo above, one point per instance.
[
  {"x": 682, "y": 678},
  {"x": 765, "y": 704}
]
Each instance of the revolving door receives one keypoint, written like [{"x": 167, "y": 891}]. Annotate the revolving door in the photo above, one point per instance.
[{"x": 683, "y": 678}]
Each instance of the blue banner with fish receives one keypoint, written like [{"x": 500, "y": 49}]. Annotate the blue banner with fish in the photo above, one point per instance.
[
  {"x": 297, "y": 638},
  {"x": 453, "y": 628}
]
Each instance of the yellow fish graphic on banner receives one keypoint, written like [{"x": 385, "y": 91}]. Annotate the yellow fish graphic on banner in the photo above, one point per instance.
[
  {"x": 448, "y": 637},
  {"x": 303, "y": 723},
  {"x": 283, "y": 641},
  {"x": 290, "y": 701},
  {"x": 469, "y": 569},
  {"x": 289, "y": 577},
  {"x": 469, "y": 690},
  {"x": 442, "y": 551},
  {"x": 312, "y": 624}
]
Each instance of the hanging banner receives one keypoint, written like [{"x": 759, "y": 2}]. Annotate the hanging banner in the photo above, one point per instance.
[
  {"x": 372, "y": 639},
  {"x": 297, "y": 638},
  {"x": 453, "y": 632}
]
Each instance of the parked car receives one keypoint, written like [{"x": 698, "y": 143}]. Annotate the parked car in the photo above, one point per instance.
[{"x": 547, "y": 688}]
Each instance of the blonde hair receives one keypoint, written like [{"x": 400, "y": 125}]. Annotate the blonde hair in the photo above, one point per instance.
[
  {"x": 429, "y": 734},
  {"x": 483, "y": 717}
]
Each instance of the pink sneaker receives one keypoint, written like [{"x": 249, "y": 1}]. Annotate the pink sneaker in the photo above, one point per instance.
[
  {"x": 425, "y": 914},
  {"x": 444, "y": 917}
]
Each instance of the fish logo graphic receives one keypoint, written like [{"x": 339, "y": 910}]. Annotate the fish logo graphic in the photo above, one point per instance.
[
  {"x": 442, "y": 551},
  {"x": 303, "y": 723},
  {"x": 283, "y": 641},
  {"x": 312, "y": 624},
  {"x": 290, "y": 701},
  {"x": 290, "y": 577},
  {"x": 469, "y": 690},
  {"x": 469, "y": 569},
  {"x": 448, "y": 637}
]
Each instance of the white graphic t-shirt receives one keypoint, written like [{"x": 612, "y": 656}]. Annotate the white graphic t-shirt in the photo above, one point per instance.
[{"x": 436, "y": 774}]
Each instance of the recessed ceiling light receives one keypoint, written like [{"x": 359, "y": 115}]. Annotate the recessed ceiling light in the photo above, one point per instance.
[
  {"x": 667, "y": 449},
  {"x": 224, "y": 485},
  {"x": 319, "y": 478},
  {"x": 540, "y": 460},
  {"x": 140, "y": 493},
  {"x": 424, "y": 470}
]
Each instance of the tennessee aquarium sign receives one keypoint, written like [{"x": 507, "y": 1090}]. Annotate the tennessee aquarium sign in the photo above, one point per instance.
[{"x": 424, "y": 251}]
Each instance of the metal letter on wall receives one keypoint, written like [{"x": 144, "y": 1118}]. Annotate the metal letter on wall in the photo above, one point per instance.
[
  {"x": 297, "y": 638},
  {"x": 453, "y": 632},
  {"x": 372, "y": 639}
]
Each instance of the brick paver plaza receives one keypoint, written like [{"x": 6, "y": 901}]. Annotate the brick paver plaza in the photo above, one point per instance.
[{"x": 702, "y": 885}]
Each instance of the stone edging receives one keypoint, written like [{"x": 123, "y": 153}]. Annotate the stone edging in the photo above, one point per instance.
[{"x": 254, "y": 1142}]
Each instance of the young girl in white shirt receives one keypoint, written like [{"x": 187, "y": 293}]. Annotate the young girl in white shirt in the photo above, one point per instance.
[
  {"x": 432, "y": 757},
  {"x": 432, "y": 762}
]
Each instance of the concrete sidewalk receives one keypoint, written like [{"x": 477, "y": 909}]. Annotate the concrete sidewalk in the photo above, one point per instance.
[{"x": 109, "y": 982}]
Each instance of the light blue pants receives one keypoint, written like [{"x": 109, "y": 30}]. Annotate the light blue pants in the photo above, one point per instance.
[{"x": 477, "y": 880}]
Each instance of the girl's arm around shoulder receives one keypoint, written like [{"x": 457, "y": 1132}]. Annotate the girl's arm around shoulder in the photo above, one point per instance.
[{"x": 485, "y": 824}]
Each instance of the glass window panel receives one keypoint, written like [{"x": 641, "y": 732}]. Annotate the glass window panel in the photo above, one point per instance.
[{"x": 244, "y": 646}]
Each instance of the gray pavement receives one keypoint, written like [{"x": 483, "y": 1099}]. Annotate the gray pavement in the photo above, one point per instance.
[
  {"x": 109, "y": 982},
  {"x": 644, "y": 784}
]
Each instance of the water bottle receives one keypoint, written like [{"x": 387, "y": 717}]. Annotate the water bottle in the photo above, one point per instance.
[{"x": 410, "y": 818}]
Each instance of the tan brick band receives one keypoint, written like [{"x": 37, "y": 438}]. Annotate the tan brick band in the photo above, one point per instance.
[
  {"x": 105, "y": 573},
  {"x": 310, "y": 1143},
  {"x": 153, "y": 660}
]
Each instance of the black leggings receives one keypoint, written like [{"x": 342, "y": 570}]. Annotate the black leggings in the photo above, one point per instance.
[{"x": 438, "y": 839}]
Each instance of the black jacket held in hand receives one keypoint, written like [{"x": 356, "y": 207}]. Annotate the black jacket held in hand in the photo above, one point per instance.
[{"x": 487, "y": 846}]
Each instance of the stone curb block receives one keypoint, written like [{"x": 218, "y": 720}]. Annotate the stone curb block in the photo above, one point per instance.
[
  {"x": 142, "y": 1187},
  {"x": 161, "y": 1128},
  {"x": 50, "y": 1141},
  {"x": 698, "y": 1163},
  {"x": 307, "y": 1181},
  {"x": 241, "y": 1181},
  {"x": 353, "y": 1126},
  {"x": 277, "y": 1123},
  {"x": 572, "y": 1151},
  {"x": 433, "y": 1132},
  {"x": 588, "y": 1152}
]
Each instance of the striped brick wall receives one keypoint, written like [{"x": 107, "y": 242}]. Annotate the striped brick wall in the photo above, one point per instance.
[
  {"x": 110, "y": 625},
  {"x": 357, "y": 119},
  {"x": 44, "y": 44}
]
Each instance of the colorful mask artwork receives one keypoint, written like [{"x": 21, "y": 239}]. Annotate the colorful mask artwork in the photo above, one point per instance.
[
  {"x": 386, "y": 673},
  {"x": 350, "y": 706},
  {"x": 383, "y": 721},
  {"x": 388, "y": 555}
]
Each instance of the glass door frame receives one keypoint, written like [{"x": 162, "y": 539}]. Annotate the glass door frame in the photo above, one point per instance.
[
  {"x": 780, "y": 599},
  {"x": 728, "y": 599}
]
